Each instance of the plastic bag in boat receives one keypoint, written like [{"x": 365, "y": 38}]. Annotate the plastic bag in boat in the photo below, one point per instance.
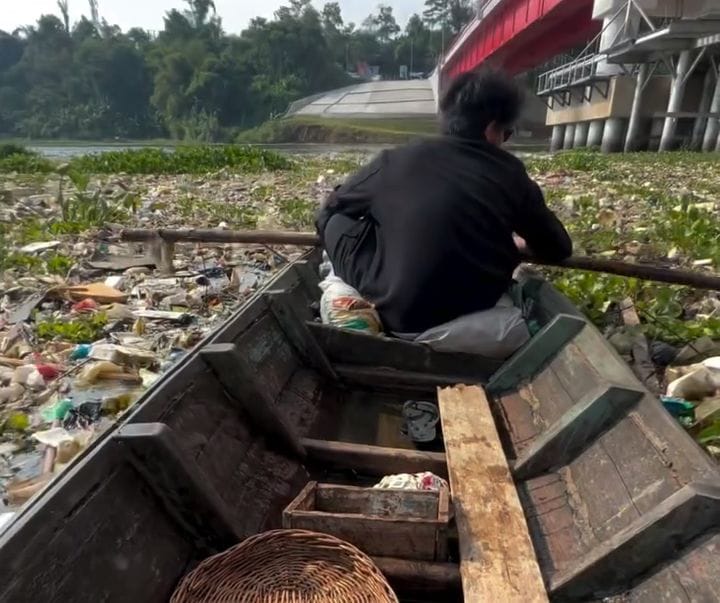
[
  {"x": 342, "y": 306},
  {"x": 494, "y": 333},
  {"x": 412, "y": 481}
]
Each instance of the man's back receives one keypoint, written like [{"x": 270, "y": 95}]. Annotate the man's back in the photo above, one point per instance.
[{"x": 437, "y": 237}]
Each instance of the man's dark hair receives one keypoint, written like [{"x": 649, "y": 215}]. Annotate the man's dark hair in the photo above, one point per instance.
[{"x": 477, "y": 98}]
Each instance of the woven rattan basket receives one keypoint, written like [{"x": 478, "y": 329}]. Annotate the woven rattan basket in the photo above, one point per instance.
[{"x": 287, "y": 566}]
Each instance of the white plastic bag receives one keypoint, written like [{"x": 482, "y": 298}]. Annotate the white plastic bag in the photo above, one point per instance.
[{"x": 342, "y": 306}]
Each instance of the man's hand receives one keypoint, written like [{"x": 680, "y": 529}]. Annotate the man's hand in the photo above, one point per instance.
[{"x": 521, "y": 244}]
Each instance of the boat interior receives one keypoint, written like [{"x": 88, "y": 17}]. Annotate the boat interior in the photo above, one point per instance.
[{"x": 568, "y": 480}]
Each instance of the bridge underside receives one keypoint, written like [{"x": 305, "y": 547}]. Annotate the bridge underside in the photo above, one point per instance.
[{"x": 522, "y": 34}]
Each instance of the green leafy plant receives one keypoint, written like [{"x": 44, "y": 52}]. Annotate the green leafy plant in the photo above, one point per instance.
[
  {"x": 83, "y": 329},
  {"x": 59, "y": 264},
  {"x": 183, "y": 160}
]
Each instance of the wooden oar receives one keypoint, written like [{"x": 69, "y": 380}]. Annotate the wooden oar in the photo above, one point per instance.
[{"x": 698, "y": 280}]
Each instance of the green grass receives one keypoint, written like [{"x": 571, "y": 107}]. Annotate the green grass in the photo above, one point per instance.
[{"x": 339, "y": 130}]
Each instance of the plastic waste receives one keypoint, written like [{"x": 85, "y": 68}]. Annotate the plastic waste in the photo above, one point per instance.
[
  {"x": 20, "y": 491},
  {"x": 342, "y": 306},
  {"x": 703, "y": 380},
  {"x": 326, "y": 267},
  {"x": 86, "y": 305},
  {"x": 412, "y": 481},
  {"x": 681, "y": 409},
  {"x": 118, "y": 312},
  {"x": 80, "y": 351},
  {"x": 52, "y": 437},
  {"x": 122, "y": 355},
  {"x": 103, "y": 371},
  {"x": 11, "y": 393},
  {"x": 57, "y": 411},
  {"x": 49, "y": 372},
  {"x": 29, "y": 376},
  {"x": 17, "y": 421}
]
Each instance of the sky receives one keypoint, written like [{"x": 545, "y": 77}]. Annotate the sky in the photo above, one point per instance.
[{"x": 148, "y": 14}]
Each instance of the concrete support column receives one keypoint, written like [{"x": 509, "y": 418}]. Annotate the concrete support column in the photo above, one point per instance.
[
  {"x": 677, "y": 93},
  {"x": 581, "y": 135},
  {"x": 595, "y": 133},
  {"x": 612, "y": 140},
  {"x": 558, "y": 138},
  {"x": 569, "y": 136},
  {"x": 632, "y": 141},
  {"x": 717, "y": 145},
  {"x": 713, "y": 124},
  {"x": 703, "y": 107}
]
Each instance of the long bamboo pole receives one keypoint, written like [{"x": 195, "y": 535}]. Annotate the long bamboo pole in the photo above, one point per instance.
[{"x": 647, "y": 272}]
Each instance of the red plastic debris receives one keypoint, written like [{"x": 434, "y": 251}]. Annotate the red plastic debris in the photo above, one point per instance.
[
  {"x": 86, "y": 305},
  {"x": 48, "y": 371}
]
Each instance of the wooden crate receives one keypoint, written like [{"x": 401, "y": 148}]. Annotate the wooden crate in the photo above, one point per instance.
[{"x": 407, "y": 524}]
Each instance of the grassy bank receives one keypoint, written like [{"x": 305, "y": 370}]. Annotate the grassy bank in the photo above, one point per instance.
[{"x": 339, "y": 130}]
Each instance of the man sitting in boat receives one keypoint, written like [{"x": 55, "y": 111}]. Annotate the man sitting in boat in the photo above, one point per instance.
[{"x": 431, "y": 233}]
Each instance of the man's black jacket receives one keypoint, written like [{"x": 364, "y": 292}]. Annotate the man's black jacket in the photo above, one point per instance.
[{"x": 434, "y": 239}]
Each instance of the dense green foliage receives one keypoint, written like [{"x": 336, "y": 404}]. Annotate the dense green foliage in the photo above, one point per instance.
[
  {"x": 193, "y": 81},
  {"x": 182, "y": 160}
]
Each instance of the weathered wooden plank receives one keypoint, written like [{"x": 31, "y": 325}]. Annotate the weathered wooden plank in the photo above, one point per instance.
[
  {"x": 421, "y": 577},
  {"x": 239, "y": 380},
  {"x": 651, "y": 539},
  {"x": 407, "y": 538},
  {"x": 497, "y": 560},
  {"x": 177, "y": 481},
  {"x": 422, "y": 504},
  {"x": 532, "y": 357},
  {"x": 692, "y": 577},
  {"x": 584, "y": 362},
  {"x": 63, "y": 560},
  {"x": 555, "y": 526},
  {"x": 374, "y": 460},
  {"x": 354, "y": 348},
  {"x": 282, "y": 305},
  {"x": 601, "y": 408},
  {"x": 393, "y": 378}
]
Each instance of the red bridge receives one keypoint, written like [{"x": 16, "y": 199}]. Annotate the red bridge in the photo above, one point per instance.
[{"x": 519, "y": 35}]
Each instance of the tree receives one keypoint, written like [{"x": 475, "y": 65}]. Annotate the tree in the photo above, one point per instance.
[
  {"x": 94, "y": 12},
  {"x": 332, "y": 18},
  {"x": 383, "y": 24},
  {"x": 65, "y": 12},
  {"x": 89, "y": 79},
  {"x": 452, "y": 15},
  {"x": 199, "y": 10}
]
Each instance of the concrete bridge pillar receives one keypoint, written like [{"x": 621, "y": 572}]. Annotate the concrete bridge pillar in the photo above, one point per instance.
[
  {"x": 632, "y": 141},
  {"x": 677, "y": 92},
  {"x": 595, "y": 133},
  {"x": 581, "y": 135},
  {"x": 704, "y": 107},
  {"x": 713, "y": 124},
  {"x": 569, "y": 136},
  {"x": 558, "y": 138},
  {"x": 612, "y": 140}
]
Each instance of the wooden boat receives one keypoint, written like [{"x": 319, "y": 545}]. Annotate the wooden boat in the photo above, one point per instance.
[{"x": 570, "y": 482}]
